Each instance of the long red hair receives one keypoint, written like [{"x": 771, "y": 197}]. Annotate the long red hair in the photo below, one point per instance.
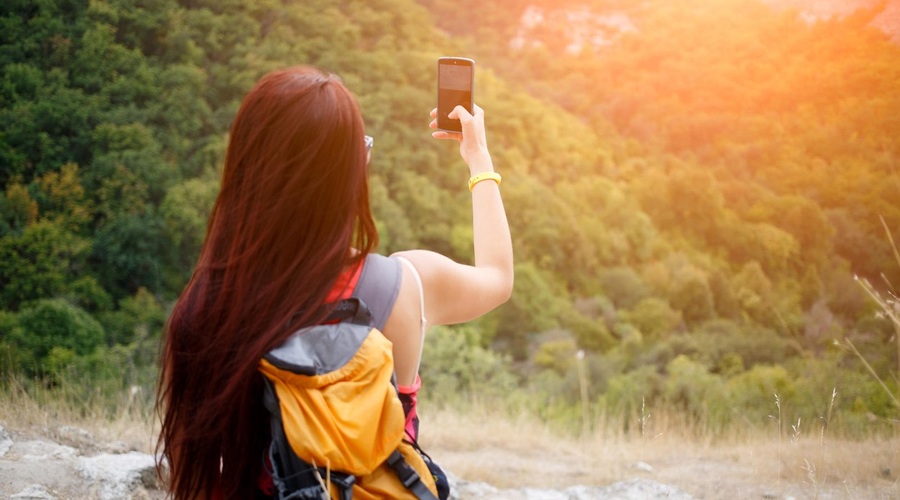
[{"x": 293, "y": 204}]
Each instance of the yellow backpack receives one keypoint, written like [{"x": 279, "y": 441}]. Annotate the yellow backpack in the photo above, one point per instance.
[{"x": 337, "y": 421}]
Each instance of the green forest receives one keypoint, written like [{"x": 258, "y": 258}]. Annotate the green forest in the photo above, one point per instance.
[{"x": 704, "y": 196}]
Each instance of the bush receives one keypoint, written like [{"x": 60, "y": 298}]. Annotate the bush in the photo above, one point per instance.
[
  {"x": 624, "y": 286},
  {"x": 537, "y": 303},
  {"x": 714, "y": 340},
  {"x": 455, "y": 365},
  {"x": 752, "y": 394},
  {"x": 48, "y": 323},
  {"x": 626, "y": 392},
  {"x": 139, "y": 316},
  {"x": 692, "y": 389},
  {"x": 654, "y": 318}
]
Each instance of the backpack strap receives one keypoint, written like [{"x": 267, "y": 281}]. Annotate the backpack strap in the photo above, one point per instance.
[
  {"x": 409, "y": 477},
  {"x": 352, "y": 310},
  {"x": 294, "y": 478},
  {"x": 378, "y": 286}
]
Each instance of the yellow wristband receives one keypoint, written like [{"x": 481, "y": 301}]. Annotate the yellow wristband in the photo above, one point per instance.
[{"x": 484, "y": 176}]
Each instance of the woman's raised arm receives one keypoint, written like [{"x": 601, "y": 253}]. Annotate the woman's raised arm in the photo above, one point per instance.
[{"x": 455, "y": 292}]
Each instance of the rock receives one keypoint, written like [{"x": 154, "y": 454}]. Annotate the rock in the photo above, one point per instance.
[
  {"x": 6, "y": 442},
  {"x": 42, "y": 470},
  {"x": 74, "y": 435},
  {"x": 117, "y": 447},
  {"x": 42, "y": 451},
  {"x": 460, "y": 490},
  {"x": 118, "y": 476},
  {"x": 639, "y": 489},
  {"x": 33, "y": 492},
  {"x": 643, "y": 467},
  {"x": 633, "y": 489}
]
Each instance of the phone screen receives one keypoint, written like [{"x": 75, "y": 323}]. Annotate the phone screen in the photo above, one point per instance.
[{"x": 455, "y": 82}]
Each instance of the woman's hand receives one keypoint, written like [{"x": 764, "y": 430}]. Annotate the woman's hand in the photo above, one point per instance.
[{"x": 472, "y": 140}]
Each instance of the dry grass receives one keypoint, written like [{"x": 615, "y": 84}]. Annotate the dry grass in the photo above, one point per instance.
[
  {"x": 40, "y": 413},
  {"x": 757, "y": 464}
]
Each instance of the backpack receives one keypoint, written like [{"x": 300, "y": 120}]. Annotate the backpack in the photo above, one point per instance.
[{"x": 337, "y": 423}]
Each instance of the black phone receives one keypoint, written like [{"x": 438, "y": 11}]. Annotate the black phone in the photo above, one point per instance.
[{"x": 456, "y": 86}]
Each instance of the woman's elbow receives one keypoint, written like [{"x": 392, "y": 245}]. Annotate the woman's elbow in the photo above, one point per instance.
[{"x": 505, "y": 284}]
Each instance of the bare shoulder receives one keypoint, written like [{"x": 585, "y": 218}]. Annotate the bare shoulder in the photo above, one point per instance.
[
  {"x": 454, "y": 292},
  {"x": 426, "y": 262}
]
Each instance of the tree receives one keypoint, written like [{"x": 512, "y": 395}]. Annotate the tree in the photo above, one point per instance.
[
  {"x": 184, "y": 213},
  {"x": 38, "y": 263},
  {"x": 63, "y": 198},
  {"x": 624, "y": 286},
  {"x": 689, "y": 293},
  {"x": 654, "y": 318},
  {"x": 17, "y": 209},
  {"x": 129, "y": 251},
  {"x": 139, "y": 316},
  {"x": 537, "y": 305}
]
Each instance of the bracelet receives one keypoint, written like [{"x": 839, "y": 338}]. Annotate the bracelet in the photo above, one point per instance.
[{"x": 484, "y": 176}]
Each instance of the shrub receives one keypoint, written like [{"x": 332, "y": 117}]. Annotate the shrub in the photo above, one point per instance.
[
  {"x": 752, "y": 393},
  {"x": 653, "y": 317},
  {"x": 753, "y": 344},
  {"x": 624, "y": 286},
  {"x": 625, "y": 392},
  {"x": 454, "y": 364},
  {"x": 138, "y": 316},
  {"x": 48, "y": 323},
  {"x": 691, "y": 388}
]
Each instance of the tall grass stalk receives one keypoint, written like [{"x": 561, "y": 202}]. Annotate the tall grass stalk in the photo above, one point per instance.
[
  {"x": 583, "y": 385},
  {"x": 893, "y": 312},
  {"x": 777, "y": 416},
  {"x": 848, "y": 344},
  {"x": 891, "y": 308},
  {"x": 825, "y": 421},
  {"x": 778, "y": 420}
]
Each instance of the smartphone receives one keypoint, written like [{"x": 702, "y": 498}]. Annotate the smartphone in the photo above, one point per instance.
[{"x": 456, "y": 85}]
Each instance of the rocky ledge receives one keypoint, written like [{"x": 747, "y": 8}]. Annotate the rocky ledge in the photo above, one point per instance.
[{"x": 44, "y": 469}]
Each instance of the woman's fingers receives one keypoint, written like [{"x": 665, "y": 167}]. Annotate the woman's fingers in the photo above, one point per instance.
[
  {"x": 460, "y": 113},
  {"x": 443, "y": 134}
]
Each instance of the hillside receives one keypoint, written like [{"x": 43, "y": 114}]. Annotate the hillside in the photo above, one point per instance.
[{"x": 754, "y": 154}]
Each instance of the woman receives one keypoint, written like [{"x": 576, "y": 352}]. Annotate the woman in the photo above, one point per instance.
[{"x": 291, "y": 231}]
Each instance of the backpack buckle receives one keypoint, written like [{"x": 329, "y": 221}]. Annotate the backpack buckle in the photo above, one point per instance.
[{"x": 404, "y": 471}]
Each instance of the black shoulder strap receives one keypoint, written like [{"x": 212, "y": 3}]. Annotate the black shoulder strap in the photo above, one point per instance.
[
  {"x": 352, "y": 310},
  {"x": 289, "y": 474},
  {"x": 409, "y": 477},
  {"x": 295, "y": 479}
]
